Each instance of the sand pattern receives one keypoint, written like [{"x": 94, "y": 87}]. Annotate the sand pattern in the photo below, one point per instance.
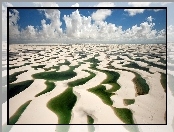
[{"x": 89, "y": 66}]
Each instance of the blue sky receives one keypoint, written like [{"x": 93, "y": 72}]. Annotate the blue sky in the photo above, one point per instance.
[{"x": 119, "y": 17}]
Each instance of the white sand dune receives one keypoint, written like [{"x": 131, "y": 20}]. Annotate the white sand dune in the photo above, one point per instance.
[
  {"x": 147, "y": 109},
  {"x": 170, "y": 117},
  {"x": 26, "y": 95},
  {"x": 95, "y": 108},
  {"x": 95, "y": 81},
  {"x": 127, "y": 89},
  {"x": 39, "y": 108},
  {"x": 37, "y": 111},
  {"x": 153, "y": 105}
]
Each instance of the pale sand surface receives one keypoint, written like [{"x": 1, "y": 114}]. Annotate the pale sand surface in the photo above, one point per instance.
[
  {"x": 26, "y": 95},
  {"x": 141, "y": 63},
  {"x": 39, "y": 108},
  {"x": 127, "y": 90},
  {"x": 95, "y": 107},
  {"x": 170, "y": 117},
  {"x": 63, "y": 68},
  {"x": 142, "y": 103},
  {"x": 103, "y": 128},
  {"x": 38, "y": 113},
  {"x": 146, "y": 109},
  {"x": 94, "y": 81},
  {"x": 26, "y": 75},
  {"x": 74, "y": 63},
  {"x": 150, "y": 108},
  {"x": 170, "y": 113},
  {"x": 155, "y": 69}
]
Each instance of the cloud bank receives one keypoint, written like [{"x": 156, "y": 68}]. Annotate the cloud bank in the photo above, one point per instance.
[{"x": 81, "y": 29}]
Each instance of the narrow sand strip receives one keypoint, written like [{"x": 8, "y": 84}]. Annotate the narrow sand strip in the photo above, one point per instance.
[
  {"x": 95, "y": 107},
  {"x": 26, "y": 75},
  {"x": 126, "y": 91}
]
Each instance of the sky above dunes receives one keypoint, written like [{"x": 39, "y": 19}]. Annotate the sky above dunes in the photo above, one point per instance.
[{"x": 88, "y": 25}]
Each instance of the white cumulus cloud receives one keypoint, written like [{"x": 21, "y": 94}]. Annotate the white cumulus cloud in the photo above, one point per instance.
[
  {"x": 150, "y": 18},
  {"x": 51, "y": 31},
  {"x": 142, "y": 32},
  {"x": 133, "y": 12},
  {"x": 29, "y": 33},
  {"x": 161, "y": 34},
  {"x": 79, "y": 26},
  {"x": 54, "y": 16},
  {"x": 101, "y": 14}
]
